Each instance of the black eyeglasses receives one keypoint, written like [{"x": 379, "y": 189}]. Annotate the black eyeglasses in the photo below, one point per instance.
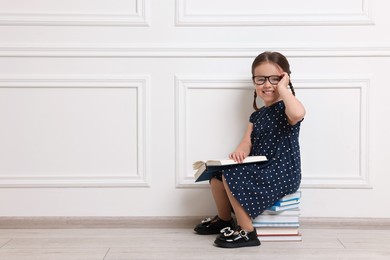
[{"x": 260, "y": 80}]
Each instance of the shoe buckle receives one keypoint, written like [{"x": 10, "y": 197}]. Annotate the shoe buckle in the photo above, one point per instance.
[
  {"x": 206, "y": 220},
  {"x": 244, "y": 234},
  {"x": 227, "y": 231}
]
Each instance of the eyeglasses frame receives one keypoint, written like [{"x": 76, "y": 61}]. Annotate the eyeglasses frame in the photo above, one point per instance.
[{"x": 266, "y": 78}]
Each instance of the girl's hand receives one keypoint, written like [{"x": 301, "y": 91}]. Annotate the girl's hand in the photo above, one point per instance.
[
  {"x": 284, "y": 81},
  {"x": 294, "y": 109},
  {"x": 238, "y": 156}
]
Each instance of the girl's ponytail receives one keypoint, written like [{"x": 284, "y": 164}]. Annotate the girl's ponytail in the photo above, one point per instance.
[
  {"x": 254, "y": 101},
  {"x": 292, "y": 88}
]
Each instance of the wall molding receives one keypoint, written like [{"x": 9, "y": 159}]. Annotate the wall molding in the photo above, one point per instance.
[
  {"x": 362, "y": 83},
  {"x": 141, "y": 83},
  {"x": 184, "y": 50},
  {"x": 185, "y": 17},
  {"x": 141, "y": 17},
  {"x": 182, "y": 85},
  {"x": 361, "y": 180}
]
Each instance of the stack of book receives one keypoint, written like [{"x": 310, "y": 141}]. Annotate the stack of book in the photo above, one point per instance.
[{"x": 281, "y": 221}]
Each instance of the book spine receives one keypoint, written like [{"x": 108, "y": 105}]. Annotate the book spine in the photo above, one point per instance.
[
  {"x": 296, "y": 224},
  {"x": 293, "y": 196},
  {"x": 276, "y": 220},
  {"x": 281, "y": 208},
  {"x": 285, "y": 203},
  {"x": 291, "y": 212}
]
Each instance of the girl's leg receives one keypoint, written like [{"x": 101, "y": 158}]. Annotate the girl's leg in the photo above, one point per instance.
[
  {"x": 224, "y": 218},
  {"x": 243, "y": 219},
  {"x": 221, "y": 199}
]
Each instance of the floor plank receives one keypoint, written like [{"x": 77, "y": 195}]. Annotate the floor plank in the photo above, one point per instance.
[
  {"x": 53, "y": 254},
  {"x": 182, "y": 243}
]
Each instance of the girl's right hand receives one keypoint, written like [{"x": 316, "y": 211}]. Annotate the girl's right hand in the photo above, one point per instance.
[{"x": 238, "y": 156}]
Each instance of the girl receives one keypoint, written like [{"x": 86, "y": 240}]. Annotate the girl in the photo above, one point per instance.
[{"x": 273, "y": 130}]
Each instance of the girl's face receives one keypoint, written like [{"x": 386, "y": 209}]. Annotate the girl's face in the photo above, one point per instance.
[{"x": 267, "y": 92}]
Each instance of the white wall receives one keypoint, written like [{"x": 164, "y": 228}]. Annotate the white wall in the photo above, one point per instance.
[{"x": 104, "y": 104}]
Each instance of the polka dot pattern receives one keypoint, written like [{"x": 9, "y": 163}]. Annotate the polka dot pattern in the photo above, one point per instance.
[{"x": 258, "y": 186}]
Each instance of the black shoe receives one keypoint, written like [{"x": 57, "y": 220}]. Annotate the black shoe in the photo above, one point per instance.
[
  {"x": 210, "y": 226},
  {"x": 237, "y": 238}
]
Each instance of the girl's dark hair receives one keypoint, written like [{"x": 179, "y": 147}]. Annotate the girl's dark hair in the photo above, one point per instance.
[{"x": 273, "y": 57}]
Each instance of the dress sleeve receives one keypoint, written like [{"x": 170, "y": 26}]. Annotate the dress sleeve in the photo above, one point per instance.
[{"x": 251, "y": 118}]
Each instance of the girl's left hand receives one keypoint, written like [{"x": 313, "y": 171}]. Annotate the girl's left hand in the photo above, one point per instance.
[
  {"x": 284, "y": 81},
  {"x": 238, "y": 156}
]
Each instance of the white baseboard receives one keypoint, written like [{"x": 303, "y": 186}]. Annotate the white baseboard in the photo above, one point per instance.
[{"x": 171, "y": 222}]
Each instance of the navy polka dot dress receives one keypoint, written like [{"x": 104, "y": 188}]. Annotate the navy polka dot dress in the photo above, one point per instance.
[{"x": 258, "y": 186}]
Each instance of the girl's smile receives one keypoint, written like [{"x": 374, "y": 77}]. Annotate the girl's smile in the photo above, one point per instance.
[{"x": 268, "y": 91}]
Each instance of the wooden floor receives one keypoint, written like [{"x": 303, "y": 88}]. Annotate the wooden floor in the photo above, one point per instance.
[{"x": 182, "y": 243}]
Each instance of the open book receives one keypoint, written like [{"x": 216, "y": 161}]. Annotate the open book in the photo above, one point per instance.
[{"x": 205, "y": 170}]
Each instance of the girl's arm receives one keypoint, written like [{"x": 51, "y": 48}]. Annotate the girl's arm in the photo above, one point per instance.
[
  {"x": 295, "y": 111},
  {"x": 244, "y": 148}
]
